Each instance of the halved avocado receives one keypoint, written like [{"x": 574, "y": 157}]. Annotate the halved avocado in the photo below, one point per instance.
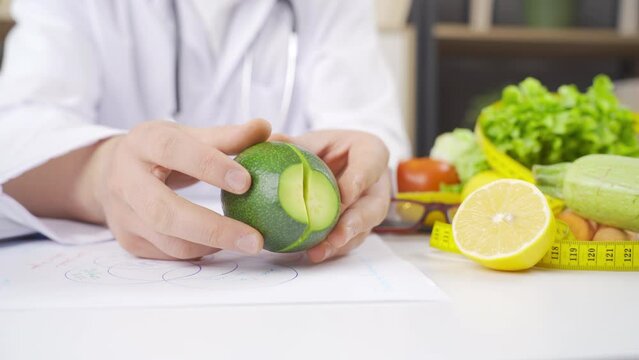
[{"x": 293, "y": 200}]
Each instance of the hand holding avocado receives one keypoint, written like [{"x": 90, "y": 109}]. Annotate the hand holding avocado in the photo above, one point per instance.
[{"x": 129, "y": 182}]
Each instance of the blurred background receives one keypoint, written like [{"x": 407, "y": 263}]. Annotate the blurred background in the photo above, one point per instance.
[
  {"x": 464, "y": 52},
  {"x": 450, "y": 58}
]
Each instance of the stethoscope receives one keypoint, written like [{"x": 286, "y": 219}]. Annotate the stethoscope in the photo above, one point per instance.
[{"x": 247, "y": 67}]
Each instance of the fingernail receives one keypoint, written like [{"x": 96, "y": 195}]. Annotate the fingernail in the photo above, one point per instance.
[
  {"x": 235, "y": 179},
  {"x": 249, "y": 244}
]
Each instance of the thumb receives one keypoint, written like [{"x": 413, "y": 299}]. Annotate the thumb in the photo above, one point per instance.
[
  {"x": 281, "y": 137},
  {"x": 232, "y": 139}
]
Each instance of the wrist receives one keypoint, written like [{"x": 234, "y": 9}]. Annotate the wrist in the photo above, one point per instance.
[{"x": 91, "y": 187}]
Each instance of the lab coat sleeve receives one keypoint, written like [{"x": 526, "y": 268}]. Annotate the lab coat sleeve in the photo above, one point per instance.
[
  {"x": 350, "y": 86},
  {"x": 49, "y": 91}
]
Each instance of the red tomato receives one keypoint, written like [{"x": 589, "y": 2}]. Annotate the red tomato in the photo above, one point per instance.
[{"x": 424, "y": 174}]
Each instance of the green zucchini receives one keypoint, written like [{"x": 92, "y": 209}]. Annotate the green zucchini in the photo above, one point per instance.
[{"x": 604, "y": 188}]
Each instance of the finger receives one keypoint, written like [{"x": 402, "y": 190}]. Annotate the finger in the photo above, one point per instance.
[
  {"x": 323, "y": 144},
  {"x": 353, "y": 244},
  {"x": 366, "y": 213},
  {"x": 171, "y": 148},
  {"x": 325, "y": 250},
  {"x": 177, "y": 248},
  {"x": 150, "y": 244},
  {"x": 281, "y": 138},
  {"x": 367, "y": 161},
  {"x": 310, "y": 141},
  {"x": 232, "y": 139},
  {"x": 167, "y": 213},
  {"x": 140, "y": 247},
  {"x": 177, "y": 180},
  {"x": 126, "y": 226},
  {"x": 321, "y": 252},
  {"x": 361, "y": 217}
]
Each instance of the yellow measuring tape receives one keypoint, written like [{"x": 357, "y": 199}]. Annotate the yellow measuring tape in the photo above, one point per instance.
[{"x": 565, "y": 252}]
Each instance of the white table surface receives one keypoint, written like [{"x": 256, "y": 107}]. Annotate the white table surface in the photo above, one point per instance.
[{"x": 535, "y": 314}]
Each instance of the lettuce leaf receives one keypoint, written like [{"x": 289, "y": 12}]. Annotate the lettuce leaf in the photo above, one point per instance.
[
  {"x": 535, "y": 126},
  {"x": 460, "y": 148}
]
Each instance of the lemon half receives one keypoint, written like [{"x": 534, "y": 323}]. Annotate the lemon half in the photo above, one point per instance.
[
  {"x": 479, "y": 180},
  {"x": 505, "y": 225}
]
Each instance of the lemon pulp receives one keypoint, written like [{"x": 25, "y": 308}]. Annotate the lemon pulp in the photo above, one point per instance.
[{"x": 505, "y": 225}]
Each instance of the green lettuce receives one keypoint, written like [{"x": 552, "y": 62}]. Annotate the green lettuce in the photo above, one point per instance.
[
  {"x": 535, "y": 126},
  {"x": 460, "y": 148}
]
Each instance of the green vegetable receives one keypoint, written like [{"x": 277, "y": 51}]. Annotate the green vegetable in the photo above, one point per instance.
[
  {"x": 293, "y": 200},
  {"x": 460, "y": 148},
  {"x": 450, "y": 188},
  {"x": 604, "y": 188},
  {"x": 534, "y": 126}
]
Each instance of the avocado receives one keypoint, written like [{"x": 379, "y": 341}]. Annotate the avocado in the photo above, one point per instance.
[{"x": 293, "y": 201}]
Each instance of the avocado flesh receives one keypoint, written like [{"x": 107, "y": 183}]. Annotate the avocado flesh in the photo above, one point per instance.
[
  {"x": 291, "y": 193},
  {"x": 310, "y": 199}
]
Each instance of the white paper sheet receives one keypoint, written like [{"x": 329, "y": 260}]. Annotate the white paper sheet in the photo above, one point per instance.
[{"x": 43, "y": 274}]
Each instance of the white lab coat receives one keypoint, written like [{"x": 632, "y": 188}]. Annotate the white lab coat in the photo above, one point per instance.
[{"x": 75, "y": 72}]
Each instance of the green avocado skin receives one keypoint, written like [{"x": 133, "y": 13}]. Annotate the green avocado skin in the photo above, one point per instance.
[
  {"x": 265, "y": 162},
  {"x": 260, "y": 206}
]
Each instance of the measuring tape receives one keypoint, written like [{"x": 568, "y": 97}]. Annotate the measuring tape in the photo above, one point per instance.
[
  {"x": 509, "y": 167},
  {"x": 565, "y": 252}
]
